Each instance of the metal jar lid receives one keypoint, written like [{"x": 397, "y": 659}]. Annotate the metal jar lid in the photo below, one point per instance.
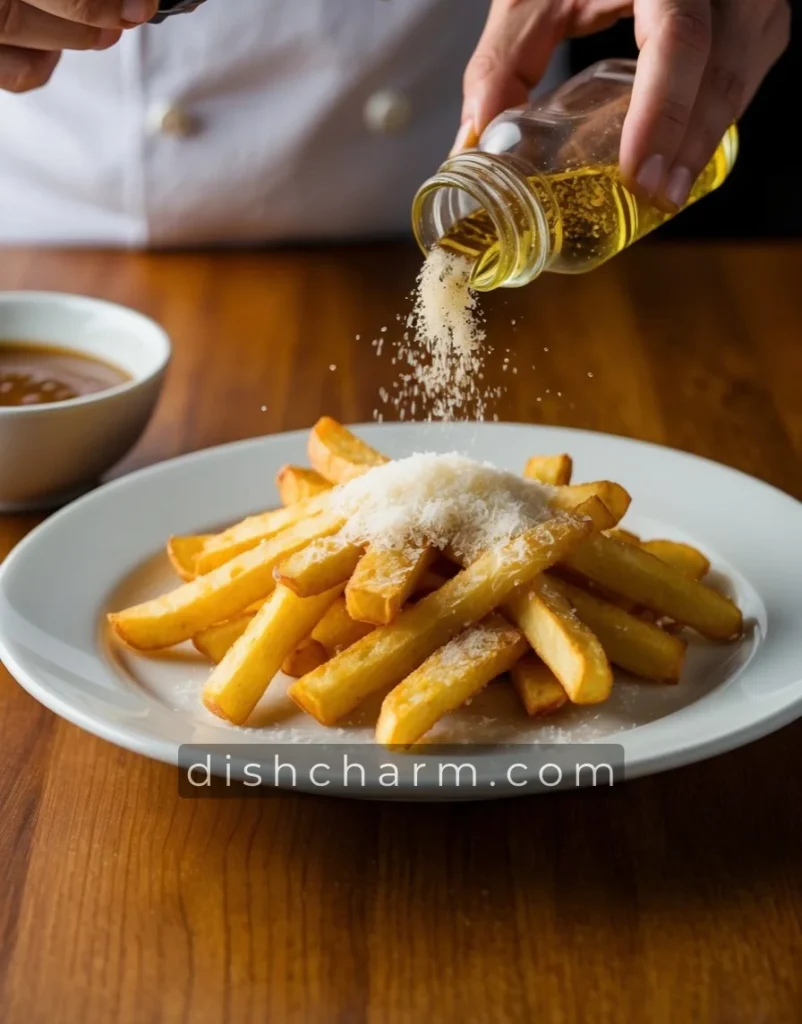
[{"x": 168, "y": 7}]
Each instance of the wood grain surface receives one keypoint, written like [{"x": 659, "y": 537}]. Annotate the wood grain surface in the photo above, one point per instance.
[{"x": 670, "y": 899}]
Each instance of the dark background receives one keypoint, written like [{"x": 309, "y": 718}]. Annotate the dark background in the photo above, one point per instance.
[{"x": 763, "y": 196}]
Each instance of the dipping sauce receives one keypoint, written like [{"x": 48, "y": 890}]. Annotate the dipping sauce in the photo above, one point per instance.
[{"x": 34, "y": 374}]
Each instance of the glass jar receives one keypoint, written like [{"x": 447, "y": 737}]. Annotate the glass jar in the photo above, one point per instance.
[{"x": 541, "y": 191}]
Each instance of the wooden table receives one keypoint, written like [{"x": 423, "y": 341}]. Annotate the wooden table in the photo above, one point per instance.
[{"x": 675, "y": 898}]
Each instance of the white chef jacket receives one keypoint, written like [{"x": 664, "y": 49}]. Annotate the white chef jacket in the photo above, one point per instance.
[{"x": 245, "y": 121}]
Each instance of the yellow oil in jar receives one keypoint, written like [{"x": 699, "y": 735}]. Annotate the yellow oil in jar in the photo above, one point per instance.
[{"x": 591, "y": 216}]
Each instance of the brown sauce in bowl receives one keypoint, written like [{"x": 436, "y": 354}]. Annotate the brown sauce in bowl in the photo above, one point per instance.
[{"x": 34, "y": 374}]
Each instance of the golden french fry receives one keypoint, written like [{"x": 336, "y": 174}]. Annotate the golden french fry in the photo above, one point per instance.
[
  {"x": 686, "y": 559},
  {"x": 306, "y": 656},
  {"x": 593, "y": 511},
  {"x": 296, "y": 483},
  {"x": 555, "y": 470},
  {"x": 604, "y": 593},
  {"x": 638, "y": 575},
  {"x": 611, "y": 597},
  {"x": 383, "y": 658},
  {"x": 183, "y": 553},
  {"x": 236, "y": 685},
  {"x": 563, "y": 642},
  {"x": 337, "y": 454},
  {"x": 220, "y": 595},
  {"x": 537, "y": 686},
  {"x": 625, "y": 535},
  {"x": 382, "y": 582},
  {"x": 431, "y": 580},
  {"x": 320, "y": 566},
  {"x": 614, "y": 497},
  {"x": 337, "y": 630},
  {"x": 630, "y": 643},
  {"x": 250, "y": 532},
  {"x": 447, "y": 679},
  {"x": 544, "y": 468},
  {"x": 216, "y": 640}
]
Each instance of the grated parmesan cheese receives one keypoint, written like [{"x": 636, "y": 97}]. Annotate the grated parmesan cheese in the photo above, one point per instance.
[
  {"x": 443, "y": 350},
  {"x": 472, "y": 644},
  {"x": 439, "y": 500}
]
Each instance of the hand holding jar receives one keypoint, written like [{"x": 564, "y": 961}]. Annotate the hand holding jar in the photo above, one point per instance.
[{"x": 700, "y": 64}]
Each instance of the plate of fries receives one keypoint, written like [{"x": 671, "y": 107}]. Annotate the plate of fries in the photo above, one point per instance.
[{"x": 220, "y": 599}]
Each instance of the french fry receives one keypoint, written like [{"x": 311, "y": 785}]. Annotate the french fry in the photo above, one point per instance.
[
  {"x": 563, "y": 642},
  {"x": 555, "y": 470},
  {"x": 320, "y": 566},
  {"x": 382, "y": 582},
  {"x": 306, "y": 656},
  {"x": 296, "y": 483},
  {"x": 686, "y": 559},
  {"x": 625, "y": 535},
  {"x": 236, "y": 685},
  {"x": 537, "y": 686},
  {"x": 613, "y": 495},
  {"x": 250, "y": 532},
  {"x": 544, "y": 469},
  {"x": 221, "y": 594},
  {"x": 216, "y": 640},
  {"x": 640, "y": 576},
  {"x": 630, "y": 643},
  {"x": 604, "y": 593},
  {"x": 337, "y": 454},
  {"x": 447, "y": 679},
  {"x": 383, "y": 658},
  {"x": 183, "y": 553},
  {"x": 431, "y": 580},
  {"x": 337, "y": 630}
]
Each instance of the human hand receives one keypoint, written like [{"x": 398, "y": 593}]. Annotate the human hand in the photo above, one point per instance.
[
  {"x": 34, "y": 32},
  {"x": 700, "y": 64}
]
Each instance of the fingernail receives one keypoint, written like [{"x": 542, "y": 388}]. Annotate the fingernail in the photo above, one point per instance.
[
  {"x": 678, "y": 187},
  {"x": 106, "y": 38},
  {"x": 136, "y": 11},
  {"x": 650, "y": 174},
  {"x": 466, "y": 137}
]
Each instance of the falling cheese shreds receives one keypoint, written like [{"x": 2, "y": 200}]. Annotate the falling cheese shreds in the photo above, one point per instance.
[
  {"x": 441, "y": 501},
  {"x": 444, "y": 348}
]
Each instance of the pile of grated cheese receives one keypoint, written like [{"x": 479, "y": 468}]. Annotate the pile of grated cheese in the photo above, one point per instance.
[{"x": 441, "y": 501}]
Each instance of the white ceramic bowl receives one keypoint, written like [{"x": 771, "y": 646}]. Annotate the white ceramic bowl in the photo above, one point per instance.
[{"x": 49, "y": 453}]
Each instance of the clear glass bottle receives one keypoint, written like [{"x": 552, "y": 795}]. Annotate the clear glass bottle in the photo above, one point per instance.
[{"x": 541, "y": 191}]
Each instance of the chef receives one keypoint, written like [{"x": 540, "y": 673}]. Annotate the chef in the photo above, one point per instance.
[{"x": 252, "y": 121}]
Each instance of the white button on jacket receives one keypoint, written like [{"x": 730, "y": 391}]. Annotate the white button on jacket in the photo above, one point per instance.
[
  {"x": 172, "y": 119},
  {"x": 246, "y": 121},
  {"x": 387, "y": 111}
]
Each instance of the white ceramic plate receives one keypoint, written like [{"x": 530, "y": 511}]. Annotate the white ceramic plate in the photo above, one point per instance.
[{"x": 104, "y": 551}]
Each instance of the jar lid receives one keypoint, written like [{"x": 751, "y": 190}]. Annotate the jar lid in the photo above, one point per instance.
[{"x": 168, "y": 7}]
